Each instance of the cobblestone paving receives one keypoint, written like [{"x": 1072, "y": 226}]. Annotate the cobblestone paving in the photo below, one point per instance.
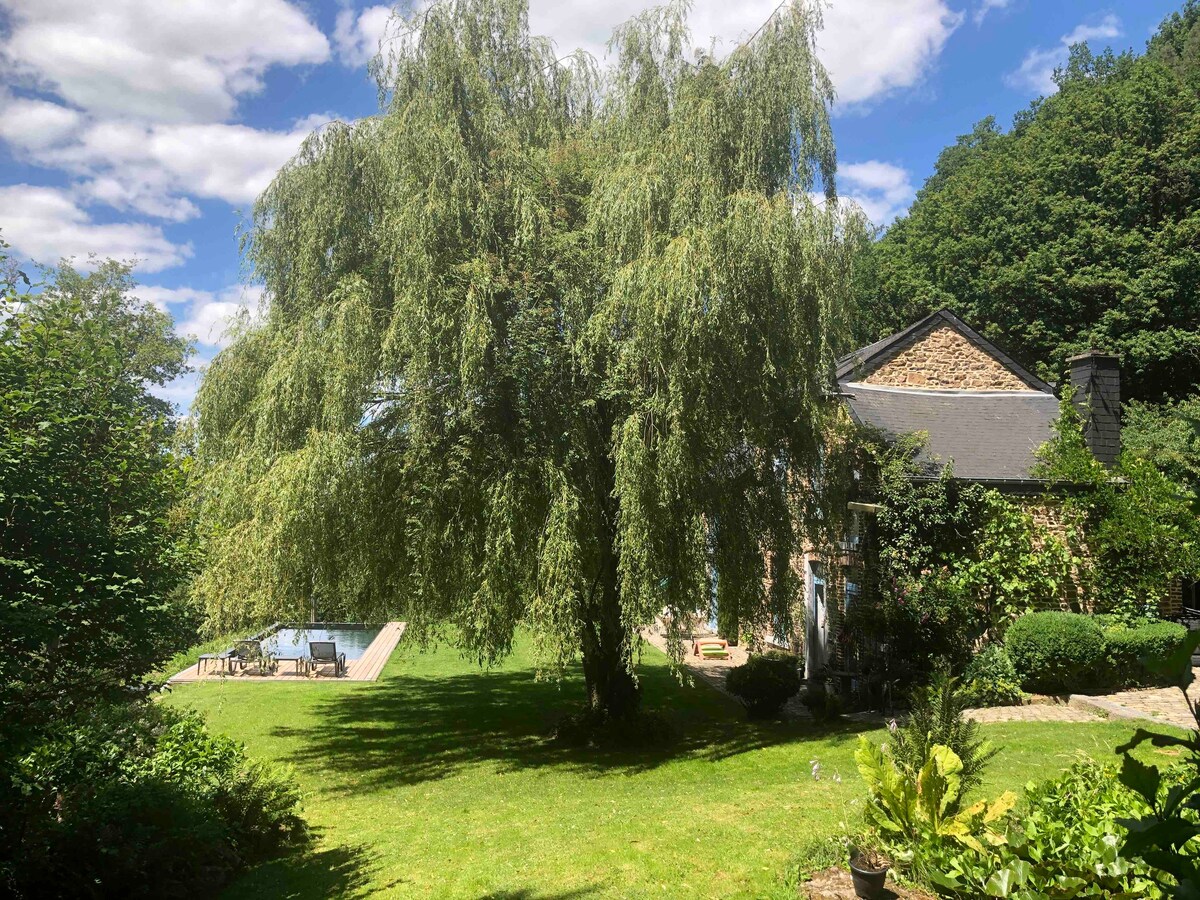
[
  {"x": 1159, "y": 704},
  {"x": 1035, "y": 712},
  {"x": 713, "y": 671},
  {"x": 1152, "y": 704}
]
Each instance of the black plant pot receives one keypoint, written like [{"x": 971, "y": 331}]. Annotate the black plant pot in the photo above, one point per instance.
[{"x": 868, "y": 882}]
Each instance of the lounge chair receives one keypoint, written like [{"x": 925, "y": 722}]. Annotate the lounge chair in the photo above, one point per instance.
[
  {"x": 250, "y": 652},
  {"x": 711, "y": 648},
  {"x": 323, "y": 653}
]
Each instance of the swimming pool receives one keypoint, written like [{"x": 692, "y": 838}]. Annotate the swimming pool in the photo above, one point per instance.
[{"x": 292, "y": 640}]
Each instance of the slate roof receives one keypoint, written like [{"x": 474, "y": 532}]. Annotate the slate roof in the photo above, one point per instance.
[{"x": 990, "y": 435}]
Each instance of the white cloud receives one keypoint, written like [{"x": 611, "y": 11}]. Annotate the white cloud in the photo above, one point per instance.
[
  {"x": 46, "y": 224},
  {"x": 150, "y": 168},
  {"x": 881, "y": 189},
  {"x": 187, "y": 61},
  {"x": 164, "y": 297},
  {"x": 182, "y": 390},
  {"x": 203, "y": 315},
  {"x": 871, "y": 48},
  {"x": 357, "y": 35},
  {"x": 1036, "y": 72},
  {"x": 131, "y": 102},
  {"x": 34, "y": 124},
  {"x": 1108, "y": 27},
  {"x": 986, "y": 6}
]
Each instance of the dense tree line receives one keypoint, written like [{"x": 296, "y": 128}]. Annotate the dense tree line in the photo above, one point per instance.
[{"x": 94, "y": 558}]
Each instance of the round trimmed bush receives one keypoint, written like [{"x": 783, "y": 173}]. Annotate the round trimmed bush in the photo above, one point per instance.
[
  {"x": 1126, "y": 647},
  {"x": 1055, "y": 652},
  {"x": 765, "y": 682}
]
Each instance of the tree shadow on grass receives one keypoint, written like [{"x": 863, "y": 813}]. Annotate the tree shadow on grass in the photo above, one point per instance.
[
  {"x": 410, "y": 729},
  {"x": 529, "y": 894},
  {"x": 335, "y": 872}
]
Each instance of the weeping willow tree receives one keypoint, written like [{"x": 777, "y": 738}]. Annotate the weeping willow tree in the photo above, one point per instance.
[{"x": 543, "y": 346}]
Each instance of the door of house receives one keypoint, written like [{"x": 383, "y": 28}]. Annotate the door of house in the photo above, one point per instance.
[{"x": 817, "y": 622}]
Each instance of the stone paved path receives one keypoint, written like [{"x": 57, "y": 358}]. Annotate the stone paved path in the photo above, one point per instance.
[
  {"x": 1156, "y": 704},
  {"x": 713, "y": 671},
  {"x": 1035, "y": 712},
  {"x": 1164, "y": 705}
]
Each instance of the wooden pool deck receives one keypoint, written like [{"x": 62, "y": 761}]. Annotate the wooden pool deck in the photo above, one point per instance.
[{"x": 366, "y": 668}]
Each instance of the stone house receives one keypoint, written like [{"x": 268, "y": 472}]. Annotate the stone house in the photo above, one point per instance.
[{"x": 979, "y": 408}]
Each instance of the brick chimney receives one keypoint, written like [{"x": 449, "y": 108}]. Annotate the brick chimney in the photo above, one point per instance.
[{"x": 1096, "y": 380}]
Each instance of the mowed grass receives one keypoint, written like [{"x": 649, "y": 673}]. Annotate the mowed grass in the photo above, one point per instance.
[{"x": 438, "y": 781}]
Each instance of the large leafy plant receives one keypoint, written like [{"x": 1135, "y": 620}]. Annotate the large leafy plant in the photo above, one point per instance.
[
  {"x": 1168, "y": 835},
  {"x": 937, "y": 717},
  {"x": 917, "y": 814},
  {"x": 1064, "y": 840}
]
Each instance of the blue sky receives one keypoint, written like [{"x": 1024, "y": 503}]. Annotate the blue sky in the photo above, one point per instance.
[{"x": 142, "y": 130}]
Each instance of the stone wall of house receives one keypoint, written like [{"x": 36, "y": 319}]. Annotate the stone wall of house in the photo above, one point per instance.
[
  {"x": 1172, "y": 605},
  {"x": 1050, "y": 517},
  {"x": 945, "y": 359},
  {"x": 1047, "y": 515},
  {"x": 1053, "y": 519}
]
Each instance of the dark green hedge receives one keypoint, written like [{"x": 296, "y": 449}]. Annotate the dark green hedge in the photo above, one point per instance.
[
  {"x": 1055, "y": 652},
  {"x": 1125, "y": 648},
  {"x": 138, "y": 800},
  {"x": 765, "y": 683}
]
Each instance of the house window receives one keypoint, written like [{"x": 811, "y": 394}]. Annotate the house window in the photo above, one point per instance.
[
  {"x": 852, "y": 595},
  {"x": 779, "y": 636},
  {"x": 853, "y": 539}
]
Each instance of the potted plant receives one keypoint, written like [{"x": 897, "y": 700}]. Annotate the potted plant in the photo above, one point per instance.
[{"x": 868, "y": 871}]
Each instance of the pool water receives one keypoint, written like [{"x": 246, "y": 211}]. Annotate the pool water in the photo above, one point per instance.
[{"x": 293, "y": 641}]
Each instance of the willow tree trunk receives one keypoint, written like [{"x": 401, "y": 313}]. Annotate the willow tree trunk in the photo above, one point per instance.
[{"x": 612, "y": 691}]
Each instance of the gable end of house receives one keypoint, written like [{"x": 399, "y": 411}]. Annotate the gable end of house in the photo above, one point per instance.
[{"x": 939, "y": 352}]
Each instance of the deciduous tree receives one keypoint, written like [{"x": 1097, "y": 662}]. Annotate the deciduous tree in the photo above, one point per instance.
[
  {"x": 92, "y": 553},
  {"x": 540, "y": 342}
]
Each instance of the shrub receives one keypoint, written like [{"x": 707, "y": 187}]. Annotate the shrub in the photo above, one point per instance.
[
  {"x": 822, "y": 703},
  {"x": 937, "y": 720},
  {"x": 992, "y": 680},
  {"x": 1055, "y": 652},
  {"x": 139, "y": 801},
  {"x": 1125, "y": 648},
  {"x": 1062, "y": 841},
  {"x": 765, "y": 682}
]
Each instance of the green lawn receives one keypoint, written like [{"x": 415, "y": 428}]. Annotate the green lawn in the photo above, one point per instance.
[{"x": 436, "y": 781}]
